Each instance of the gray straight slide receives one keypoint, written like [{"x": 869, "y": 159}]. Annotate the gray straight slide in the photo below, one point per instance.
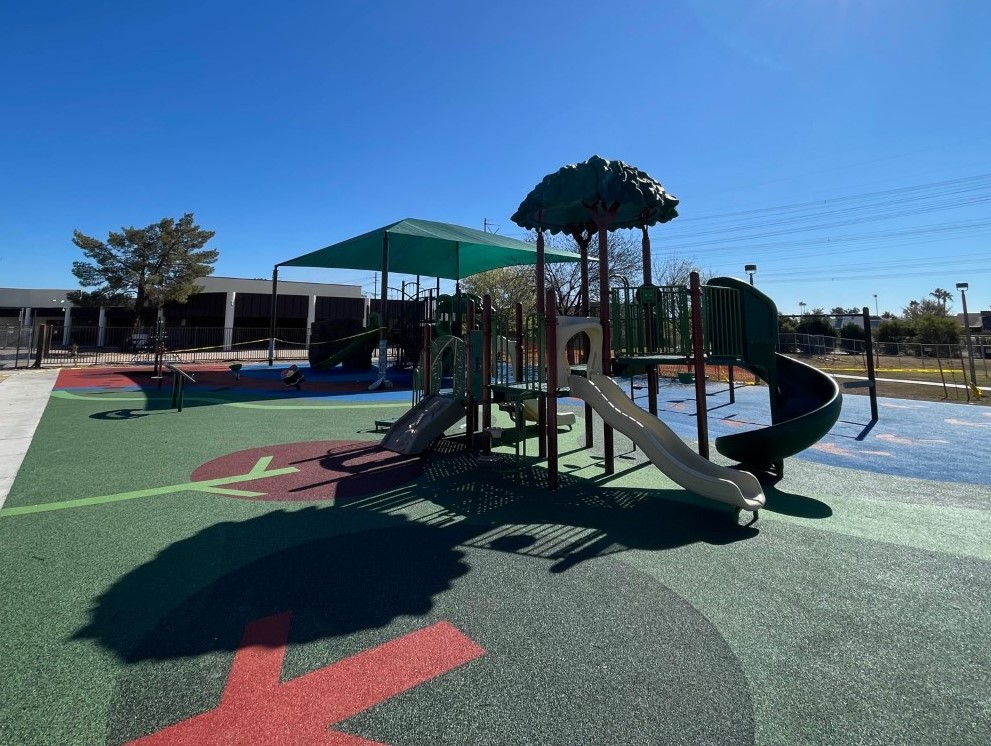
[
  {"x": 416, "y": 430},
  {"x": 664, "y": 448}
]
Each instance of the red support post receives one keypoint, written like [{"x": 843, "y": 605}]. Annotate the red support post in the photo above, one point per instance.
[
  {"x": 487, "y": 370},
  {"x": 604, "y": 320},
  {"x": 518, "y": 371},
  {"x": 471, "y": 406},
  {"x": 550, "y": 335}
]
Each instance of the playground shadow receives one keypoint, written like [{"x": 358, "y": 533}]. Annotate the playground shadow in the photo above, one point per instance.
[
  {"x": 132, "y": 413},
  {"x": 800, "y": 506},
  {"x": 362, "y": 564},
  {"x": 518, "y": 513}
]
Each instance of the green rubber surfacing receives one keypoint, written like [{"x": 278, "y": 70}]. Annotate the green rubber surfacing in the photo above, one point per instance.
[{"x": 613, "y": 610}]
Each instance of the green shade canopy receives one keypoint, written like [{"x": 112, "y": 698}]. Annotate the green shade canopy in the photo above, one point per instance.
[
  {"x": 424, "y": 247},
  {"x": 573, "y": 196}
]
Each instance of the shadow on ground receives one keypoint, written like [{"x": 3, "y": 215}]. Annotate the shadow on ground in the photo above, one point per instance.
[
  {"x": 363, "y": 563},
  {"x": 229, "y": 573}
]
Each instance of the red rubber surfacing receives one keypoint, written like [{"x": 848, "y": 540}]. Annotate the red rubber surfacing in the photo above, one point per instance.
[{"x": 326, "y": 470}]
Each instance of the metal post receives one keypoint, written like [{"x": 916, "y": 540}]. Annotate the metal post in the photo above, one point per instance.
[
  {"x": 966, "y": 321},
  {"x": 271, "y": 321},
  {"x": 869, "y": 350},
  {"x": 698, "y": 352},
  {"x": 43, "y": 332}
]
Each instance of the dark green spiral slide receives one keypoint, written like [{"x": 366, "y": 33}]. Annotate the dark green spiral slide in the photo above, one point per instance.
[{"x": 805, "y": 402}]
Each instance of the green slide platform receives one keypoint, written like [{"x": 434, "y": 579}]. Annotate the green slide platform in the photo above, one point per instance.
[{"x": 805, "y": 402}]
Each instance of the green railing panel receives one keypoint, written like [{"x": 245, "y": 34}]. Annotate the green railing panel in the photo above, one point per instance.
[
  {"x": 721, "y": 322},
  {"x": 659, "y": 325}
]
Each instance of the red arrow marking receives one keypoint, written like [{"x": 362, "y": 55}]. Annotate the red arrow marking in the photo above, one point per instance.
[{"x": 256, "y": 707}]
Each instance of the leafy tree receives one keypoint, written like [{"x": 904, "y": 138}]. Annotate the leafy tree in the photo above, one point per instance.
[
  {"x": 916, "y": 309},
  {"x": 816, "y": 323},
  {"x": 851, "y": 333},
  {"x": 894, "y": 331},
  {"x": 507, "y": 286},
  {"x": 937, "y": 330},
  {"x": 787, "y": 325},
  {"x": 143, "y": 268}
]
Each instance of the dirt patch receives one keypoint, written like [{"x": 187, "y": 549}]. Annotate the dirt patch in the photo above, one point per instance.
[{"x": 919, "y": 379}]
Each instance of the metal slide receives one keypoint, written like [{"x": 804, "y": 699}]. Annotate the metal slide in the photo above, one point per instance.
[
  {"x": 664, "y": 448},
  {"x": 415, "y": 431}
]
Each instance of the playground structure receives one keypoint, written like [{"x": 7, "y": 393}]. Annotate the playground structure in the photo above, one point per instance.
[
  {"x": 726, "y": 322},
  {"x": 736, "y": 327}
]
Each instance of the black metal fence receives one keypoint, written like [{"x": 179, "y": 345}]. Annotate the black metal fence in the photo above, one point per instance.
[{"x": 19, "y": 346}]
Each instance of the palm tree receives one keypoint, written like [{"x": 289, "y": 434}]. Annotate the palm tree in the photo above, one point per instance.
[{"x": 942, "y": 296}]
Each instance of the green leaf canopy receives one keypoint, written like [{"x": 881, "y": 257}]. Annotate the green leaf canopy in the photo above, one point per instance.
[
  {"x": 424, "y": 247},
  {"x": 578, "y": 195}
]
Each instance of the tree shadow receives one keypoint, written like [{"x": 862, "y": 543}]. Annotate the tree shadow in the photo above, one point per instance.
[
  {"x": 197, "y": 595},
  {"x": 362, "y": 564}
]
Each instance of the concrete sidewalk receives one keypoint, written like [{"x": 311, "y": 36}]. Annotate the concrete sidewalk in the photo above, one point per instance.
[{"x": 23, "y": 396}]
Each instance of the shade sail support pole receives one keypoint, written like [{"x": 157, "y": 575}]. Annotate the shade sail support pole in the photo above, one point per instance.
[
  {"x": 384, "y": 318},
  {"x": 272, "y": 314}
]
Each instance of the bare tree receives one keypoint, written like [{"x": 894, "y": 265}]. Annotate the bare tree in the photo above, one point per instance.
[
  {"x": 674, "y": 270},
  {"x": 565, "y": 279},
  {"x": 511, "y": 285}
]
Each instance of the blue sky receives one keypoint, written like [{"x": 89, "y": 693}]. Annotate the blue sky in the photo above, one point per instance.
[{"x": 286, "y": 127}]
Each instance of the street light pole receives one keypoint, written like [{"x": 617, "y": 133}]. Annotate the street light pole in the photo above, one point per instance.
[
  {"x": 876, "y": 311},
  {"x": 750, "y": 269},
  {"x": 962, "y": 287}
]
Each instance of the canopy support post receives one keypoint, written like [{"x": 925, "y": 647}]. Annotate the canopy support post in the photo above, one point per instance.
[
  {"x": 384, "y": 316},
  {"x": 271, "y": 320}
]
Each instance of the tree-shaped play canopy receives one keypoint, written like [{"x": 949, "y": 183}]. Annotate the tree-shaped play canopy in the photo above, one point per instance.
[
  {"x": 595, "y": 195},
  {"x": 602, "y": 195}
]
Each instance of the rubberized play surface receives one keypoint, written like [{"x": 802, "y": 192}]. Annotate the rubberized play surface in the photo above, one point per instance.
[{"x": 255, "y": 570}]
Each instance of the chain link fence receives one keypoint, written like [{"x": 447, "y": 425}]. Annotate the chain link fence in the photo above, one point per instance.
[{"x": 834, "y": 350}]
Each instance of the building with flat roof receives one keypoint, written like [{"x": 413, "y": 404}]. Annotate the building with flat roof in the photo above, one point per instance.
[{"x": 228, "y": 303}]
